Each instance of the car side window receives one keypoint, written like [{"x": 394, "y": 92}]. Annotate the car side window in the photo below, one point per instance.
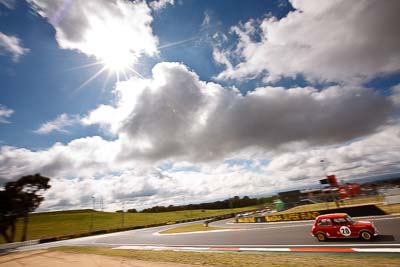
[
  {"x": 340, "y": 221},
  {"x": 324, "y": 222}
]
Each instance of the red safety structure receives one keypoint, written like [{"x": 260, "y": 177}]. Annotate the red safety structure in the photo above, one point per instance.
[
  {"x": 349, "y": 190},
  {"x": 332, "y": 180}
]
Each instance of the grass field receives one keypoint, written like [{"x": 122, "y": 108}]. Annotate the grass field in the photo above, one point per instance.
[
  {"x": 189, "y": 228},
  {"x": 52, "y": 224},
  {"x": 244, "y": 259}
]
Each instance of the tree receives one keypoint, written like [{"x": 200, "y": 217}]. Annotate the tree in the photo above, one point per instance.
[
  {"x": 17, "y": 200},
  {"x": 8, "y": 215}
]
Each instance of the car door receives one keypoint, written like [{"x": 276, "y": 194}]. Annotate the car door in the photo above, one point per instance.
[
  {"x": 325, "y": 226},
  {"x": 353, "y": 229},
  {"x": 343, "y": 229}
]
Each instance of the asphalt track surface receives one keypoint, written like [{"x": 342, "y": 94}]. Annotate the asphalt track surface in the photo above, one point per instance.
[{"x": 282, "y": 234}]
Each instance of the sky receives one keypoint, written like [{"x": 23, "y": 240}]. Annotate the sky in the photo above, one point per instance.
[{"x": 186, "y": 101}]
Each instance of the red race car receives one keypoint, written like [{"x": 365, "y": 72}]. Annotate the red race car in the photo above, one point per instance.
[{"x": 341, "y": 225}]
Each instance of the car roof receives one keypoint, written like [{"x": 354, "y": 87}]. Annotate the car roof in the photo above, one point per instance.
[{"x": 332, "y": 215}]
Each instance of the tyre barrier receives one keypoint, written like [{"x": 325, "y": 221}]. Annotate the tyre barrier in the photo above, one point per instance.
[
  {"x": 219, "y": 218},
  {"x": 356, "y": 211}
]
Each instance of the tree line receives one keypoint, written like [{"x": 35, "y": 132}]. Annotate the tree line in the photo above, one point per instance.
[{"x": 235, "y": 202}]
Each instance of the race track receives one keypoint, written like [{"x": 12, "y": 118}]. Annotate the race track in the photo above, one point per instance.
[{"x": 238, "y": 235}]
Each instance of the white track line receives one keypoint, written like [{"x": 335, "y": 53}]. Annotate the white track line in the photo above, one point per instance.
[
  {"x": 262, "y": 249},
  {"x": 199, "y": 232},
  {"x": 255, "y": 246},
  {"x": 396, "y": 250}
]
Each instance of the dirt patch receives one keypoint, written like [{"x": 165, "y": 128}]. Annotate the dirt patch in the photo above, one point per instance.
[
  {"x": 45, "y": 258},
  {"x": 99, "y": 257}
]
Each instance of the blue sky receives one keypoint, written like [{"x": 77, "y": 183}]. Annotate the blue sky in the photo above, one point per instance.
[
  {"x": 157, "y": 101},
  {"x": 53, "y": 85}
]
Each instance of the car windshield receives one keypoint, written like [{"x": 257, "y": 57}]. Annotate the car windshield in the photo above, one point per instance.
[{"x": 350, "y": 220}]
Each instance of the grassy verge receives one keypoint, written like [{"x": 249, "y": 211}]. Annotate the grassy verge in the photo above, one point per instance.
[
  {"x": 242, "y": 259},
  {"x": 189, "y": 228},
  {"x": 53, "y": 224}
]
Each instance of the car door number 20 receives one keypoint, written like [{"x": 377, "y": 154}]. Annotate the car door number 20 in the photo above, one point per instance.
[{"x": 345, "y": 231}]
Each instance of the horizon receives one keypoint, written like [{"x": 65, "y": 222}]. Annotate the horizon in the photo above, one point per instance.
[{"x": 319, "y": 186}]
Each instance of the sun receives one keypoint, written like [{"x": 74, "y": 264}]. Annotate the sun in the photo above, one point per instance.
[
  {"x": 112, "y": 47},
  {"x": 113, "y": 50},
  {"x": 115, "y": 63},
  {"x": 118, "y": 61}
]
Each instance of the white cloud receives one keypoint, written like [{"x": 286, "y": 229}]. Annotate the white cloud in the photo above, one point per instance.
[
  {"x": 207, "y": 20},
  {"x": 10, "y": 4},
  {"x": 374, "y": 155},
  {"x": 89, "y": 167},
  {"x": 160, "y": 4},
  {"x": 137, "y": 190},
  {"x": 221, "y": 58},
  {"x": 11, "y": 45},
  {"x": 325, "y": 41},
  {"x": 82, "y": 157},
  {"x": 59, "y": 124},
  {"x": 5, "y": 113},
  {"x": 176, "y": 115},
  {"x": 196, "y": 127},
  {"x": 107, "y": 29}
]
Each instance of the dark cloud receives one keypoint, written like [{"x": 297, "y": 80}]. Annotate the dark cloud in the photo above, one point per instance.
[{"x": 177, "y": 115}]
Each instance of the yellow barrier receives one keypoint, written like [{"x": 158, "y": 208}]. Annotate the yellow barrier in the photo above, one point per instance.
[
  {"x": 247, "y": 220},
  {"x": 292, "y": 216},
  {"x": 282, "y": 217}
]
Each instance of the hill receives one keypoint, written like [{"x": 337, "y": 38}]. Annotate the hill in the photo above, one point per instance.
[{"x": 51, "y": 224}]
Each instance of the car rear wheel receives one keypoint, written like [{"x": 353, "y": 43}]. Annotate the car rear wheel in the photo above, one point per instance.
[
  {"x": 321, "y": 237},
  {"x": 366, "y": 235}
]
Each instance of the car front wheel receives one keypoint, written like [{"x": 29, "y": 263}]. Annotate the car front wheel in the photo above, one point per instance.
[
  {"x": 366, "y": 235},
  {"x": 321, "y": 237}
]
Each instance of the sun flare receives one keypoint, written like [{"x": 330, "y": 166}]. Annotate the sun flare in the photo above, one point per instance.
[
  {"x": 116, "y": 64},
  {"x": 115, "y": 58},
  {"x": 112, "y": 45},
  {"x": 118, "y": 61}
]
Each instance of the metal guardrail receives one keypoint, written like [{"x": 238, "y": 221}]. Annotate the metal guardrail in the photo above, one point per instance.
[
  {"x": 8, "y": 246},
  {"x": 18, "y": 244}
]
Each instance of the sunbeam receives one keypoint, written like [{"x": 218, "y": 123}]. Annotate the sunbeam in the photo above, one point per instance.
[
  {"x": 179, "y": 42},
  {"x": 86, "y": 66},
  {"x": 91, "y": 78},
  {"x": 135, "y": 72}
]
